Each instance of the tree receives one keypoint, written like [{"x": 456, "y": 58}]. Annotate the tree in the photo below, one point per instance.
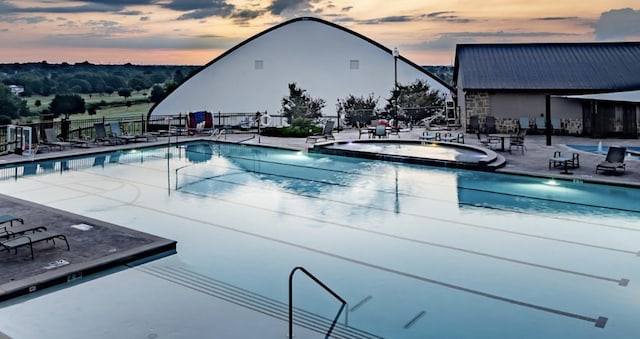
[
  {"x": 415, "y": 101},
  {"x": 125, "y": 93},
  {"x": 67, "y": 104},
  {"x": 357, "y": 109},
  {"x": 299, "y": 104},
  {"x": 11, "y": 105},
  {"x": 137, "y": 84},
  {"x": 157, "y": 94},
  {"x": 178, "y": 77}
]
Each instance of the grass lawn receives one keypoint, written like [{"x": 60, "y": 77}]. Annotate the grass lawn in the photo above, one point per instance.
[{"x": 136, "y": 110}]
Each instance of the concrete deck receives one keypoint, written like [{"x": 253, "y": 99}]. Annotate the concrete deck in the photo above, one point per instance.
[{"x": 101, "y": 247}]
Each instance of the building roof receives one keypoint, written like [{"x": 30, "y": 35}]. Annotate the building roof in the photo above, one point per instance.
[{"x": 549, "y": 67}]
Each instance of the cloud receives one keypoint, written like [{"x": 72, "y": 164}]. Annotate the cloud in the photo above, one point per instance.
[
  {"x": 398, "y": 18},
  {"x": 446, "y": 16},
  {"x": 557, "y": 18},
  {"x": 346, "y": 9},
  {"x": 201, "y": 9},
  {"x": 86, "y": 7},
  {"x": 204, "y": 42},
  {"x": 242, "y": 17},
  {"x": 448, "y": 41},
  {"x": 618, "y": 24},
  {"x": 25, "y": 19},
  {"x": 277, "y": 7}
]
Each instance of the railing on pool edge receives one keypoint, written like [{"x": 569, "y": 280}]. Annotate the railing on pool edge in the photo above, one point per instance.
[{"x": 334, "y": 294}]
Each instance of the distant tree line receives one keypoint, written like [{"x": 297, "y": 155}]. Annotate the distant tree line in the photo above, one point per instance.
[{"x": 66, "y": 81}]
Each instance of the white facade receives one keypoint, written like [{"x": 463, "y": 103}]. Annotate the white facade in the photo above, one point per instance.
[
  {"x": 328, "y": 61},
  {"x": 16, "y": 90}
]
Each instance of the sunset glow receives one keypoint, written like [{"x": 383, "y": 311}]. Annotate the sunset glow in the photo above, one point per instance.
[{"x": 195, "y": 32}]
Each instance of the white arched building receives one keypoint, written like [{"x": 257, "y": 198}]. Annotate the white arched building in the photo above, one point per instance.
[{"x": 329, "y": 61}]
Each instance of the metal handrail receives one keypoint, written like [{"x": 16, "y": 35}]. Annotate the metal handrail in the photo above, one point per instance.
[{"x": 334, "y": 294}]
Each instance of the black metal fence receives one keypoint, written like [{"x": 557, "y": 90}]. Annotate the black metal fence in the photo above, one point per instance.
[{"x": 84, "y": 128}]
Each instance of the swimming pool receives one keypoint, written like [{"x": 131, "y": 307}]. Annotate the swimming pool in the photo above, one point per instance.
[
  {"x": 632, "y": 152},
  {"x": 417, "y": 251}
]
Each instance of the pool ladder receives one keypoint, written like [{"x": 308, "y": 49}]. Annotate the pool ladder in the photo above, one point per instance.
[{"x": 317, "y": 281}]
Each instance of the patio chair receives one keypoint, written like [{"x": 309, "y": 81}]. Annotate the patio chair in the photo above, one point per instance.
[
  {"x": 362, "y": 129},
  {"x": 327, "y": 133},
  {"x": 31, "y": 239},
  {"x": 490, "y": 125},
  {"x": 52, "y": 140},
  {"x": 474, "y": 124},
  {"x": 614, "y": 160},
  {"x": 381, "y": 131},
  {"x": 517, "y": 141},
  {"x": 487, "y": 141}
]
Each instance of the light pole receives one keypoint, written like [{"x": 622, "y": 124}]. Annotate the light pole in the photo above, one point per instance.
[{"x": 396, "y": 54}]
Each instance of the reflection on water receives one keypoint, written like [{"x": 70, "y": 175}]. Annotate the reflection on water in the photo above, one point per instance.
[{"x": 428, "y": 150}]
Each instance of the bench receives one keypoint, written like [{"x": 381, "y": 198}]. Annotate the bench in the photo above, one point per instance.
[{"x": 30, "y": 239}]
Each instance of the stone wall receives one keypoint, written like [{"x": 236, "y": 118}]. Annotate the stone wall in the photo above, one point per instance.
[{"x": 477, "y": 103}]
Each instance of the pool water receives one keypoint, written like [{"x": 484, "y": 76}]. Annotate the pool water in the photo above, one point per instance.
[
  {"x": 602, "y": 149},
  {"x": 416, "y": 251}
]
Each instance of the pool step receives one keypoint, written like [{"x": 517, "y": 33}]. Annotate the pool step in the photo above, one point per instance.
[{"x": 254, "y": 301}]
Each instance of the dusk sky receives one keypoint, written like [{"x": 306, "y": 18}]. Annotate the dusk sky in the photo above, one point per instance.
[{"x": 194, "y": 32}]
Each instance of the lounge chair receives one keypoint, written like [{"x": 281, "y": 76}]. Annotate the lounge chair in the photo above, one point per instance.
[
  {"x": 7, "y": 218},
  {"x": 52, "y": 140},
  {"x": 31, "y": 239},
  {"x": 523, "y": 123},
  {"x": 541, "y": 124},
  {"x": 101, "y": 135},
  {"x": 614, "y": 160},
  {"x": 327, "y": 133},
  {"x": 14, "y": 231},
  {"x": 117, "y": 133},
  {"x": 556, "y": 125}
]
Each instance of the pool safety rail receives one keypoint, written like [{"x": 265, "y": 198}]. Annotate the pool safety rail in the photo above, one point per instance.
[{"x": 317, "y": 281}]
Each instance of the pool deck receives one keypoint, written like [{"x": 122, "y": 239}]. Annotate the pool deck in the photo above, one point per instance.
[{"x": 106, "y": 246}]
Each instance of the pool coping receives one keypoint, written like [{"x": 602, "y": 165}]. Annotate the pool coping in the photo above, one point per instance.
[{"x": 492, "y": 162}]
